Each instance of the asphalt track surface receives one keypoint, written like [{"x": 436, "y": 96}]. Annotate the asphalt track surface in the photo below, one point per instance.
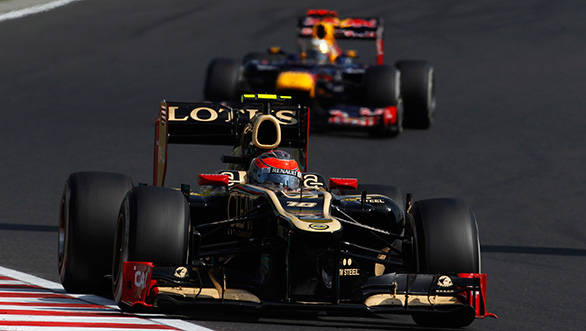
[{"x": 80, "y": 86}]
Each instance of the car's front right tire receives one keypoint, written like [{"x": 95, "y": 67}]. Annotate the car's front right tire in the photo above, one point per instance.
[{"x": 223, "y": 78}]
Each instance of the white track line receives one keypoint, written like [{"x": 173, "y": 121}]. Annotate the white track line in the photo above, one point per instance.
[
  {"x": 6, "y": 307},
  {"x": 94, "y": 299},
  {"x": 34, "y": 9},
  {"x": 30, "y": 279},
  {"x": 48, "y": 328},
  {"x": 76, "y": 319},
  {"x": 10, "y": 282}
]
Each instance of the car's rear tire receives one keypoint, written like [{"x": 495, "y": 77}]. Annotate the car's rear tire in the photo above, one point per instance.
[
  {"x": 153, "y": 226},
  {"x": 87, "y": 222},
  {"x": 417, "y": 92},
  {"x": 447, "y": 243},
  {"x": 222, "y": 80},
  {"x": 381, "y": 86}
]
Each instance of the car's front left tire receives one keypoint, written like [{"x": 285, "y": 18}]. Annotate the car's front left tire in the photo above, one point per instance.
[
  {"x": 153, "y": 226},
  {"x": 222, "y": 81},
  {"x": 447, "y": 243}
]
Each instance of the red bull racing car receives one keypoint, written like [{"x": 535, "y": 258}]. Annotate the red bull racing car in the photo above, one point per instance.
[
  {"x": 266, "y": 233},
  {"x": 342, "y": 92}
]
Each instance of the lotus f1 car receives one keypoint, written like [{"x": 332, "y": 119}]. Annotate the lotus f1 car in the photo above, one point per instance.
[
  {"x": 342, "y": 92},
  {"x": 266, "y": 233}
]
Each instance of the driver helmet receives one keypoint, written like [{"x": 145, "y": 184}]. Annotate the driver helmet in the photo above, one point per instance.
[
  {"x": 275, "y": 167},
  {"x": 322, "y": 44}
]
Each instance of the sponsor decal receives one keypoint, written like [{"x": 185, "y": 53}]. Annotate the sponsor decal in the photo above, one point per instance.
[
  {"x": 294, "y": 173},
  {"x": 346, "y": 270},
  {"x": 139, "y": 279},
  {"x": 444, "y": 281},
  {"x": 374, "y": 201},
  {"x": 368, "y": 200},
  {"x": 208, "y": 114},
  {"x": 286, "y": 117},
  {"x": 181, "y": 272},
  {"x": 350, "y": 272},
  {"x": 319, "y": 227}
]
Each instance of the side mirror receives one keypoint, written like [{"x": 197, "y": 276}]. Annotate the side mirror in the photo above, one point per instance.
[
  {"x": 214, "y": 179},
  {"x": 343, "y": 183}
]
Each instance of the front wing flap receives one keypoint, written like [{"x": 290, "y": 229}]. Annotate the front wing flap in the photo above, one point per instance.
[{"x": 357, "y": 117}]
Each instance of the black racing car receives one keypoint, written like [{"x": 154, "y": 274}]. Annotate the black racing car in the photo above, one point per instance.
[
  {"x": 265, "y": 233},
  {"x": 343, "y": 93}
]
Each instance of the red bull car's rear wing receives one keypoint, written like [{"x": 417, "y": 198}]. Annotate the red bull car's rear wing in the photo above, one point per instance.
[
  {"x": 261, "y": 121},
  {"x": 357, "y": 28}
]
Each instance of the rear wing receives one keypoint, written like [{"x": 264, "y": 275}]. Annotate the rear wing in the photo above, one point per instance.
[
  {"x": 222, "y": 124},
  {"x": 357, "y": 28}
]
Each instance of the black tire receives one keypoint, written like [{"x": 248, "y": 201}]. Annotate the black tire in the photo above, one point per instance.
[
  {"x": 153, "y": 226},
  {"x": 417, "y": 92},
  {"x": 381, "y": 86},
  {"x": 447, "y": 243},
  {"x": 87, "y": 222},
  {"x": 222, "y": 80}
]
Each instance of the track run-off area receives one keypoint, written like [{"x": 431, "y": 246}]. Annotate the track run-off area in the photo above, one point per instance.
[{"x": 31, "y": 303}]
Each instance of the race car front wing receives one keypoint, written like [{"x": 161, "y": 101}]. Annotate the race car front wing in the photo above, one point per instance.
[
  {"x": 345, "y": 116},
  {"x": 145, "y": 285}
]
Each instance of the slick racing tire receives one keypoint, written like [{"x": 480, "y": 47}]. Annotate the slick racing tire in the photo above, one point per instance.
[
  {"x": 87, "y": 222},
  {"x": 222, "y": 80},
  {"x": 417, "y": 92},
  {"x": 153, "y": 226},
  {"x": 381, "y": 86},
  {"x": 447, "y": 243}
]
